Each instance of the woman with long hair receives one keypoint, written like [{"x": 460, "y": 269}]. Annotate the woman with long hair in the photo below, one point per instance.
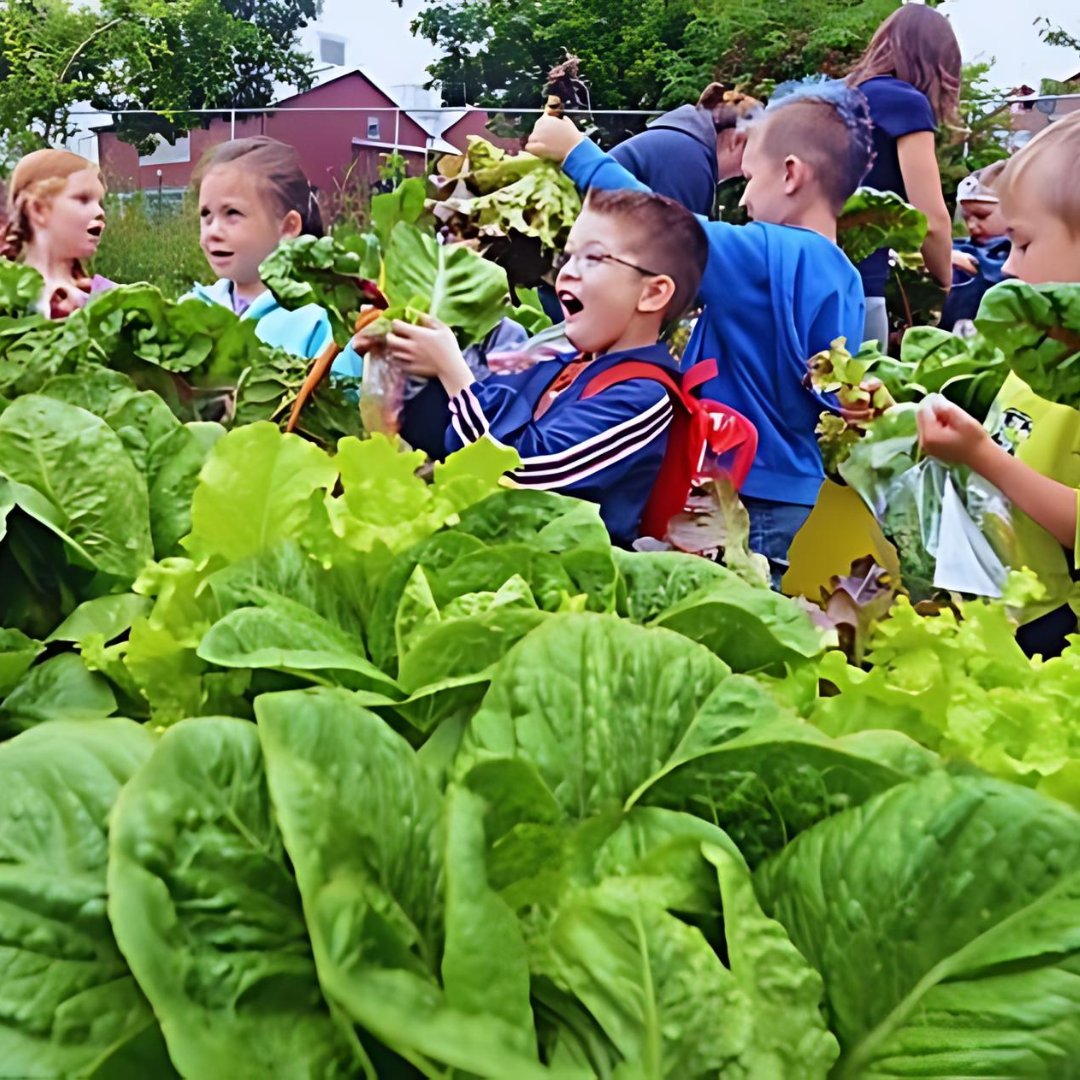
[{"x": 910, "y": 74}]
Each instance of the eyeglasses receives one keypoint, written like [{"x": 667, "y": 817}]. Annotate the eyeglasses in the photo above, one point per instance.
[{"x": 591, "y": 260}]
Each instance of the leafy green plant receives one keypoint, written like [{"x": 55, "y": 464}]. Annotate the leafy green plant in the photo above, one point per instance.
[
  {"x": 872, "y": 219},
  {"x": 147, "y": 242}
]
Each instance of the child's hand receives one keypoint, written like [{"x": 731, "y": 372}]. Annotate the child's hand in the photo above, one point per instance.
[
  {"x": 553, "y": 138},
  {"x": 965, "y": 262},
  {"x": 428, "y": 350},
  {"x": 948, "y": 433},
  {"x": 363, "y": 340}
]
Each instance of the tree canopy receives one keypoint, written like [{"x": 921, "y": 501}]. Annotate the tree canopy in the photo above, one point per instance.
[
  {"x": 172, "y": 56},
  {"x": 634, "y": 55}
]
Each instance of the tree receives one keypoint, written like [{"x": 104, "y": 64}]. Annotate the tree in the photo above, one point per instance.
[
  {"x": 978, "y": 136},
  {"x": 172, "y": 56},
  {"x": 497, "y": 52},
  {"x": 635, "y": 55}
]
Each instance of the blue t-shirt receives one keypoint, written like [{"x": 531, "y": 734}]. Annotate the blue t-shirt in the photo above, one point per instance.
[
  {"x": 897, "y": 109},
  {"x": 774, "y": 296}
]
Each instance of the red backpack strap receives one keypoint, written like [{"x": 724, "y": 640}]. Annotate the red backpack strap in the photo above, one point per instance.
[
  {"x": 698, "y": 374},
  {"x": 634, "y": 369}
]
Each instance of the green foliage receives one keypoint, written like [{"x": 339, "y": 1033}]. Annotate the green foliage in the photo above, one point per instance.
[
  {"x": 158, "y": 245},
  {"x": 1037, "y": 327},
  {"x": 141, "y": 54},
  {"x": 516, "y": 210},
  {"x": 638, "y": 57},
  {"x": 961, "y": 894},
  {"x": 978, "y": 137},
  {"x": 432, "y": 780},
  {"x": 876, "y": 219}
]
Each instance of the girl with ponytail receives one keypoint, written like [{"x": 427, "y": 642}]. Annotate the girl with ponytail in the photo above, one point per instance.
[
  {"x": 253, "y": 194},
  {"x": 54, "y": 223}
]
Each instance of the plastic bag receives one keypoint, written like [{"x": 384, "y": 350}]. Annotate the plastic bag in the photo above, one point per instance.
[
  {"x": 382, "y": 392},
  {"x": 951, "y": 529},
  {"x": 545, "y": 345}
]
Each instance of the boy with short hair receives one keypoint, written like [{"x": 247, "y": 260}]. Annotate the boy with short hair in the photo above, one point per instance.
[
  {"x": 978, "y": 259},
  {"x": 776, "y": 291},
  {"x": 633, "y": 261},
  {"x": 1038, "y": 471}
]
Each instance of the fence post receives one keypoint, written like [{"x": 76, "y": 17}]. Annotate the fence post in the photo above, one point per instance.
[{"x": 232, "y": 125}]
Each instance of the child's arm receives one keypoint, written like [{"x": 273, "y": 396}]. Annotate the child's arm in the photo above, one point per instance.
[
  {"x": 586, "y": 448},
  {"x": 951, "y": 435},
  {"x": 559, "y": 140}
]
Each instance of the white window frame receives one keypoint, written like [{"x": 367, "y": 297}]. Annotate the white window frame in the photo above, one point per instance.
[{"x": 166, "y": 153}]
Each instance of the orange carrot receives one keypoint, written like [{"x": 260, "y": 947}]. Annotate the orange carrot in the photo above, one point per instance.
[{"x": 323, "y": 362}]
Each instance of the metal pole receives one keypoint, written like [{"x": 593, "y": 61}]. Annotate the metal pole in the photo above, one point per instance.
[{"x": 232, "y": 125}]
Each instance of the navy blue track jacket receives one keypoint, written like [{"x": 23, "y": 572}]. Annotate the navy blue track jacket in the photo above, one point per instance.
[{"x": 607, "y": 448}]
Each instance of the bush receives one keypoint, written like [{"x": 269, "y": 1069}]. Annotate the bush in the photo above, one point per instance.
[{"x": 147, "y": 242}]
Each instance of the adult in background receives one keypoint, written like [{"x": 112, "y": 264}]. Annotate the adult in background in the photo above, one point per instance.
[
  {"x": 685, "y": 153},
  {"x": 910, "y": 74}
]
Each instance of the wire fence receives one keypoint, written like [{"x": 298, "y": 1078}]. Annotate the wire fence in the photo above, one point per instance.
[
  {"x": 338, "y": 144},
  {"x": 351, "y": 142}
]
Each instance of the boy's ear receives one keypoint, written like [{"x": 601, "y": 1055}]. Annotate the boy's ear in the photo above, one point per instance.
[
  {"x": 656, "y": 294},
  {"x": 292, "y": 226},
  {"x": 797, "y": 174}
]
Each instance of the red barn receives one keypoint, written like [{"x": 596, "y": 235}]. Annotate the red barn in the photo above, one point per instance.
[{"x": 334, "y": 145}]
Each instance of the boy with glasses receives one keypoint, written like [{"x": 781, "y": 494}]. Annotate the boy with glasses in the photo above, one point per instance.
[
  {"x": 633, "y": 261},
  {"x": 776, "y": 291}
]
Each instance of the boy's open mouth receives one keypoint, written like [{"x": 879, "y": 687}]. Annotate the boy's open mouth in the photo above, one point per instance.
[
  {"x": 221, "y": 254},
  {"x": 571, "y": 304},
  {"x": 96, "y": 230}
]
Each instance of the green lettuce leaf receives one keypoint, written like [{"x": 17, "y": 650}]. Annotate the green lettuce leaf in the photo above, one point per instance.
[
  {"x": 879, "y": 219},
  {"x": 70, "y": 1005},
  {"x": 70, "y": 471},
  {"x": 256, "y": 489},
  {"x": 961, "y": 898},
  {"x": 392, "y": 948},
  {"x": 447, "y": 281},
  {"x": 334, "y": 272},
  {"x": 208, "y": 915},
  {"x": 21, "y": 287},
  {"x": 749, "y": 628},
  {"x": 1037, "y": 327},
  {"x": 17, "y": 653},
  {"x": 61, "y": 688}
]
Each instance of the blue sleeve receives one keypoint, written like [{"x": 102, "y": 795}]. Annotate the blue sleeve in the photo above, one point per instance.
[
  {"x": 900, "y": 109},
  {"x": 321, "y": 335},
  {"x": 588, "y": 166},
  {"x": 563, "y": 451}
]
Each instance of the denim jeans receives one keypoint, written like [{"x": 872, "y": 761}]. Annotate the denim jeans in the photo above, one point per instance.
[
  {"x": 773, "y": 526},
  {"x": 876, "y": 326}
]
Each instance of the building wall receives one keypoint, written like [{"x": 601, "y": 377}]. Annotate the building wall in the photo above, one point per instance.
[
  {"x": 325, "y": 140},
  {"x": 474, "y": 122}
]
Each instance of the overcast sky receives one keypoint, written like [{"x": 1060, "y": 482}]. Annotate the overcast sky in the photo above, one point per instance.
[{"x": 1003, "y": 30}]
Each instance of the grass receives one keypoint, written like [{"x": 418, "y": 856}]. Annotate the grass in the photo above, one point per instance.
[{"x": 143, "y": 242}]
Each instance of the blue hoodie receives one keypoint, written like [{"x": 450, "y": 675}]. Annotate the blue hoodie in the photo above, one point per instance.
[
  {"x": 303, "y": 332},
  {"x": 676, "y": 156},
  {"x": 774, "y": 296}
]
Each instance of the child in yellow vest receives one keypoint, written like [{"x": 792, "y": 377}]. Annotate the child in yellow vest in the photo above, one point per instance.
[{"x": 1030, "y": 448}]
